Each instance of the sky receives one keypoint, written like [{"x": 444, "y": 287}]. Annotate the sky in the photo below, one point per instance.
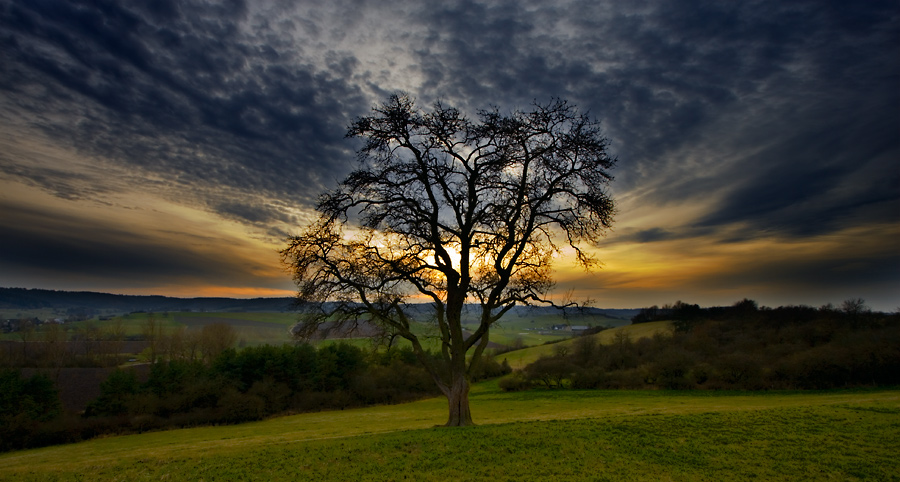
[{"x": 170, "y": 147}]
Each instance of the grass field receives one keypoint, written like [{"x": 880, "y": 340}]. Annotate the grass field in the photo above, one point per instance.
[
  {"x": 258, "y": 328},
  {"x": 251, "y": 328},
  {"x": 519, "y": 358},
  {"x": 538, "y": 435}
]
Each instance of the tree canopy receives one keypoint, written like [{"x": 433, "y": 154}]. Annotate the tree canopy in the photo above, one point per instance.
[{"x": 453, "y": 212}]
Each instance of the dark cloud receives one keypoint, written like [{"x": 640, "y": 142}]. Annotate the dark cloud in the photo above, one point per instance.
[
  {"x": 813, "y": 280},
  {"x": 197, "y": 93},
  {"x": 60, "y": 248},
  {"x": 780, "y": 117},
  {"x": 63, "y": 184},
  {"x": 651, "y": 235},
  {"x": 812, "y": 84},
  {"x": 258, "y": 214}
]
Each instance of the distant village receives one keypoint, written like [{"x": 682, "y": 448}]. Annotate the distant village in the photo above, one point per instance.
[
  {"x": 574, "y": 329},
  {"x": 12, "y": 325}
]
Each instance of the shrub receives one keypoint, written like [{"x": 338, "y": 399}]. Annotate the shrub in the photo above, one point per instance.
[
  {"x": 488, "y": 367},
  {"x": 585, "y": 350},
  {"x": 275, "y": 396},
  {"x": 34, "y": 398},
  {"x": 336, "y": 365},
  {"x": 115, "y": 393},
  {"x": 397, "y": 382},
  {"x": 514, "y": 382},
  {"x": 633, "y": 378},
  {"x": 590, "y": 378},
  {"x": 551, "y": 372},
  {"x": 740, "y": 370},
  {"x": 235, "y": 407},
  {"x": 672, "y": 369}
]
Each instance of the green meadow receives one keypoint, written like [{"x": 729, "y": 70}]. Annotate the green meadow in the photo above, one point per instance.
[
  {"x": 259, "y": 328},
  {"x": 535, "y": 435},
  {"x": 520, "y": 358},
  {"x": 566, "y": 435}
]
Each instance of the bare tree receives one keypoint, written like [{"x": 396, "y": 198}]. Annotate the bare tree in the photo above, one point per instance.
[
  {"x": 56, "y": 349},
  {"x": 192, "y": 345},
  {"x": 115, "y": 333},
  {"x": 456, "y": 213},
  {"x": 27, "y": 334},
  {"x": 152, "y": 332},
  {"x": 216, "y": 338}
]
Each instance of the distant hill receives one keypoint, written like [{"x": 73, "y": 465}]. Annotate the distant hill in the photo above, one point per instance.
[
  {"x": 30, "y": 299},
  {"x": 33, "y": 299}
]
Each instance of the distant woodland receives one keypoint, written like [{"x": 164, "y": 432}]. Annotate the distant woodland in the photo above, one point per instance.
[
  {"x": 230, "y": 386},
  {"x": 87, "y": 304},
  {"x": 741, "y": 347}
]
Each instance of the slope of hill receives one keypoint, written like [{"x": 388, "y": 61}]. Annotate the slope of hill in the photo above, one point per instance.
[
  {"x": 520, "y": 358},
  {"x": 547, "y": 435}
]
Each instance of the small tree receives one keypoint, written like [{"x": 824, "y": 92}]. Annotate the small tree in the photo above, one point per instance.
[
  {"x": 153, "y": 333},
  {"x": 115, "y": 393},
  {"x": 28, "y": 334},
  {"x": 55, "y": 345},
  {"x": 216, "y": 338},
  {"x": 454, "y": 212},
  {"x": 116, "y": 335}
]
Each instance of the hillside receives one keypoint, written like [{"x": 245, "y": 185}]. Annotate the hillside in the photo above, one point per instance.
[
  {"x": 520, "y": 358},
  {"x": 34, "y": 299},
  {"x": 546, "y": 435}
]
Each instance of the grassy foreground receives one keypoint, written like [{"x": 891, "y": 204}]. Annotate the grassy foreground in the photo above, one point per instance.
[{"x": 543, "y": 435}]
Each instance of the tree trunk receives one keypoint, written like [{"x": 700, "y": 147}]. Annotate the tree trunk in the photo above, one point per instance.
[{"x": 458, "y": 398}]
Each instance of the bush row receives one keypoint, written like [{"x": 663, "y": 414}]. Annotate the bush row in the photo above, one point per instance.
[
  {"x": 753, "y": 349},
  {"x": 236, "y": 386}
]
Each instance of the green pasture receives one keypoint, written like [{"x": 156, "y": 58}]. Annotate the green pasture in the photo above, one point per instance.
[
  {"x": 42, "y": 313},
  {"x": 534, "y": 329},
  {"x": 272, "y": 328},
  {"x": 132, "y": 324},
  {"x": 521, "y": 358},
  {"x": 251, "y": 328},
  {"x": 538, "y": 435}
]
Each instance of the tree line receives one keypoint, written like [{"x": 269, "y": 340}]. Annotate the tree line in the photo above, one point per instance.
[
  {"x": 234, "y": 386},
  {"x": 92, "y": 344},
  {"x": 741, "y": 347}
]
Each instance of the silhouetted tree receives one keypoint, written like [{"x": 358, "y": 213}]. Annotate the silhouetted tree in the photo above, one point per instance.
[
  {"x": 646, "y": 315},
  {"x": 455, "y": 211}
]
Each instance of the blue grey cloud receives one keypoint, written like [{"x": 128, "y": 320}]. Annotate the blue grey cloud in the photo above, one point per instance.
[
  {"x": 813, "y": 85},
  {"x": 180, "y": 90}
]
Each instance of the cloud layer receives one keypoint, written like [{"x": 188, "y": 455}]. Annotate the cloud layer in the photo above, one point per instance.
[{"x": 744, "y": 122}]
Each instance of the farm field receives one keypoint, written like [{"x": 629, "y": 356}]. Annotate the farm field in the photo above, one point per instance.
[
  {"x": 260, "y": 328},
  {"x": 544, "y": 435},
  {"x": 251, "y": 328}
]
